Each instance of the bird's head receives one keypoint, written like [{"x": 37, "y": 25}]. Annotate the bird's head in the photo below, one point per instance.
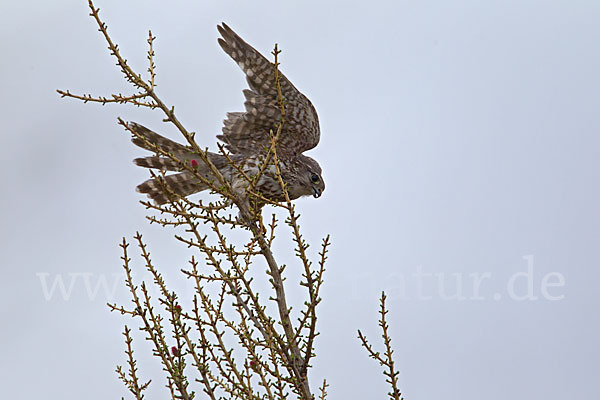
[{"x": 308, "y": 180}]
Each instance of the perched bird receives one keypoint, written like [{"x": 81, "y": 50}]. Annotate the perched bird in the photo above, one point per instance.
[{"x": 246, "y": 136}]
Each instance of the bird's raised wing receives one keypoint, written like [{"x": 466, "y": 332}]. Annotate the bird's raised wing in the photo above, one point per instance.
[{"x": 248, "y": 132}]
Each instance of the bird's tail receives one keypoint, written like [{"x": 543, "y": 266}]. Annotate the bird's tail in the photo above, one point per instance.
[
  {"x": 165, "y": 188},
  {"x": 146, "y": 139}
]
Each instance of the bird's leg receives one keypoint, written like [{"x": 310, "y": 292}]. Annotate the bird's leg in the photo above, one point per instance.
[
  {"x": 263, "y": 228},
  {"x": 239, "y": 186},
  {"x": 258, "y": 214},
  {"x": 256, "y": 210}
]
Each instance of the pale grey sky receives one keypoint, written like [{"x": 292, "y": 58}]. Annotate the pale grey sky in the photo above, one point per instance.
[{"x": 459, "y": 144}]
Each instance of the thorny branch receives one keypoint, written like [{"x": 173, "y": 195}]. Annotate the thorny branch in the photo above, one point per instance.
[
  {"x": 386, "y": 359},
  {"x": 272, "y": 356},
  {"x": 229, "y": 344}
]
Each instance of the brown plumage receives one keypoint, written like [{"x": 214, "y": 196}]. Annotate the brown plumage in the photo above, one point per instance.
[{"x": 246, "y": 135}]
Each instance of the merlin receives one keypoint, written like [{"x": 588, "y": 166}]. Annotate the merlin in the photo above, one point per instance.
[{"x": 246, "y": 136}]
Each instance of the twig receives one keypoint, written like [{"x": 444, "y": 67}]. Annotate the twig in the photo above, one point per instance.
[{"x": 386, "y": 360}]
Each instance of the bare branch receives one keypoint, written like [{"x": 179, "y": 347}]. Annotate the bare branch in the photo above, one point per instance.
[{"x": 386, "y": 360}]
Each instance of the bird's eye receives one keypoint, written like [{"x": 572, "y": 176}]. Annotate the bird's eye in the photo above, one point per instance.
[{"x": 314, "y": 178}]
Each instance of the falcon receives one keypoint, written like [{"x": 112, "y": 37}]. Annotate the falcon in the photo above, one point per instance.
[{"x": 246, "y": 136}]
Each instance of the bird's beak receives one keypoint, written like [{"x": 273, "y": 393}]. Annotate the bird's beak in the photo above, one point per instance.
[{"x": 316, "y": 192}]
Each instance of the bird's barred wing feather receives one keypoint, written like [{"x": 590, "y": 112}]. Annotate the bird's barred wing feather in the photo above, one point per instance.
[{"x": 248, "y": 132}]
